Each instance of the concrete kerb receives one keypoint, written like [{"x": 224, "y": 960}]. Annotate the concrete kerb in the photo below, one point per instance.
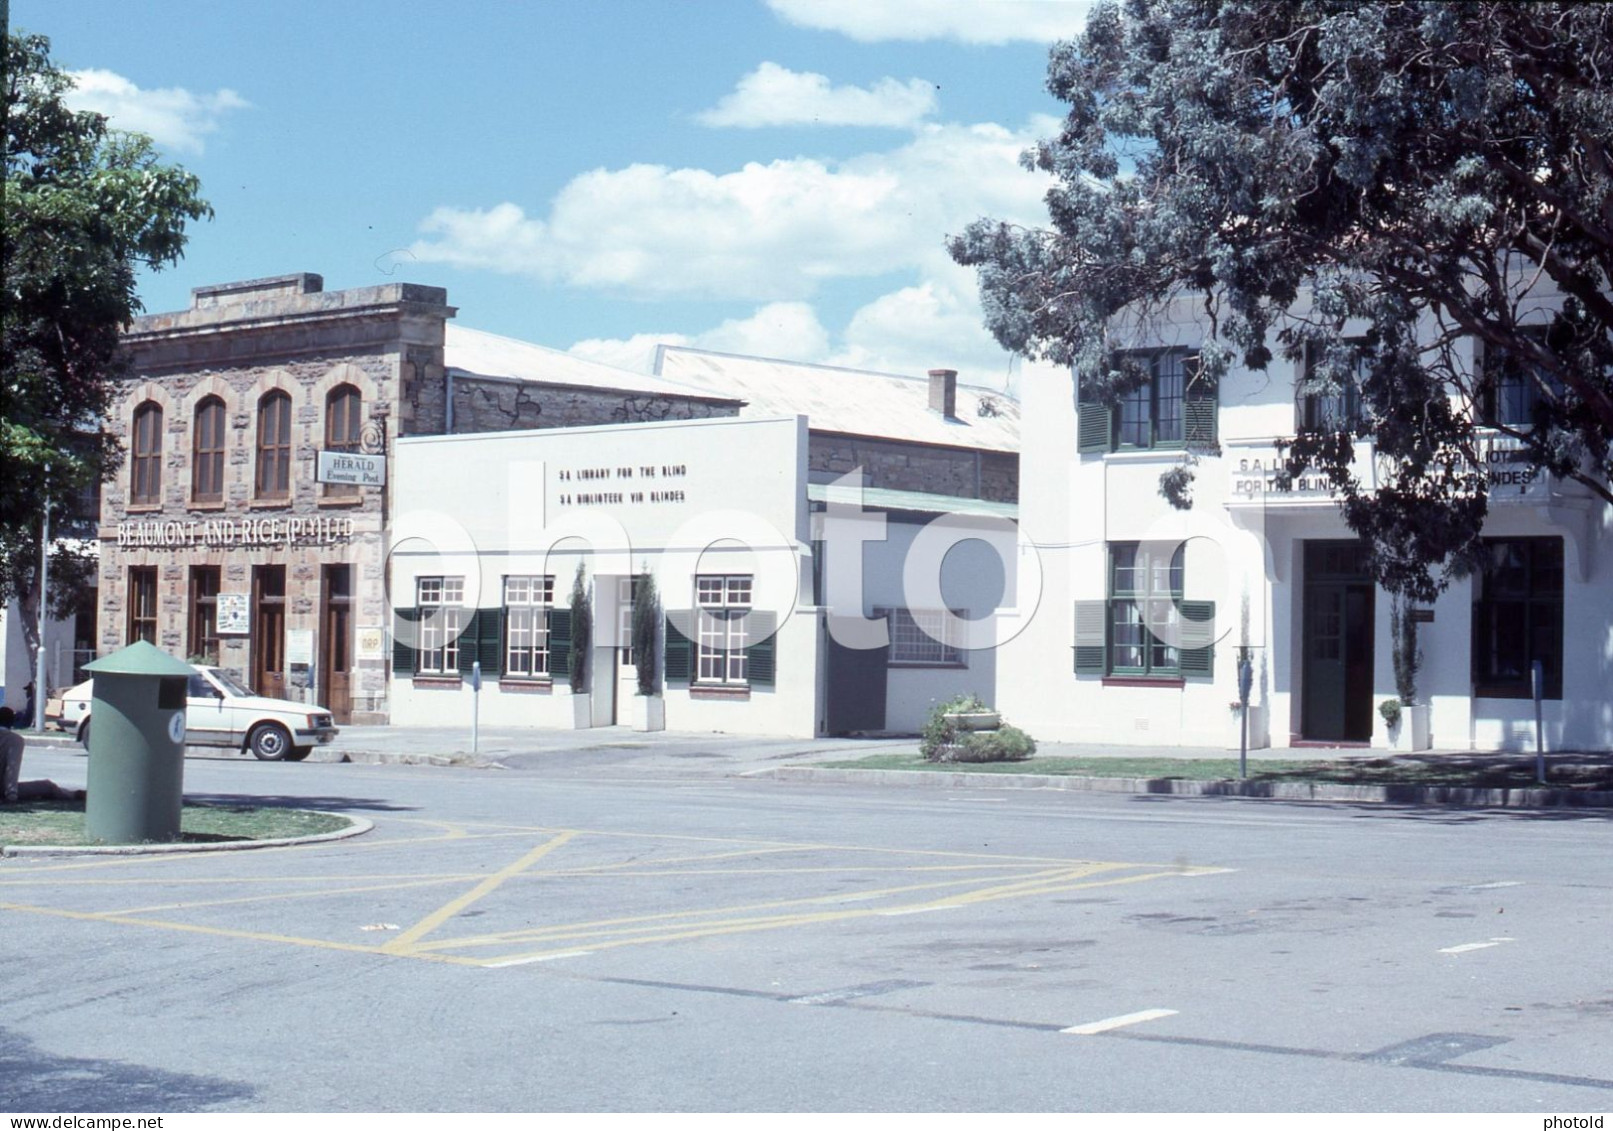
[
  {"x": 356, "y": 827},
  {"x": 1456, "y": 796}
]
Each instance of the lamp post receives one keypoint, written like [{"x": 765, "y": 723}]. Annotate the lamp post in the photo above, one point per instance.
[{"x": 40, "y": 693}]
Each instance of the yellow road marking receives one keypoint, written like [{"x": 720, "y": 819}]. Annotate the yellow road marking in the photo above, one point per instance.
[
  {"x": 764, "y": 924},
  {"x": 455, "y": 906},
  {"x": 224, "y": 932},
  {"x": 633, "y": 923},
  {"x": 319, "y": 893}
]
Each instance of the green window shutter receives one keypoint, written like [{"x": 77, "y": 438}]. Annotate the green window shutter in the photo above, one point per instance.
[
  {"x": 1198, "y": 641},
  {"x": 559, "y": 641},
  {"x": 678, "y": 663},
  {"x": 760, "y": 663},
  {"x": 490, "y": 648},
  {"x": 469, "y": 634},
  {"x": 403, "y": 653},
  {"x": 1094, "y": 425},
  {"x": 1091, "y": 637},
  {"x": 1200, "y": 407}
]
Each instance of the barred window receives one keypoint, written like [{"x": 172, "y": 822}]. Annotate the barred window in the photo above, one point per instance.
[
  {"x": 922, "y": 637},
  {"x": 438, "y": 601},
  {"x": 526, "y": 625}
]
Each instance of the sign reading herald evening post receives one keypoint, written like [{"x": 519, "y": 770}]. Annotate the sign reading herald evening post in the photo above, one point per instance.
[{"x": 353, "y": 468}]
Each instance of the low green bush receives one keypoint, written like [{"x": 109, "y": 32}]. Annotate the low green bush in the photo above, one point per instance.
[{"x": 941, "y": 741}]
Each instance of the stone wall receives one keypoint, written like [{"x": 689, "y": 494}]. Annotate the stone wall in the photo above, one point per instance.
[
  {"x": 494, "y": 404},
  {"x": 902, "y": 466}
]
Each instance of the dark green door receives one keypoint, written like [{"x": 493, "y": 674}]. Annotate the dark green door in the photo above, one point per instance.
[
  {"x": 1336, "y": 679},
  {"x": 856, "y": 688}
]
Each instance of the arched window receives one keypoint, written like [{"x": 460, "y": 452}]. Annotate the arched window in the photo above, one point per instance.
[
  {"x": 145, "y": 468},
  {"x": 207, "y": 459},
  {"x": 274, "y": 446},
  {"x": 341, "y": 430}
]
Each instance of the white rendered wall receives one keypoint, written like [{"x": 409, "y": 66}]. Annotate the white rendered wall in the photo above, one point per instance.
[{"x": 517, "y": 503}]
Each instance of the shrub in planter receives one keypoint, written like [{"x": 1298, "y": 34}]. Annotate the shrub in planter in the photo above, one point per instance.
[
  {"x": 943, "y": 740},
  {"x": 646, "y": 631},
  {"x": 1390, "y": 710},
  {"x": 582, "y": 632}
]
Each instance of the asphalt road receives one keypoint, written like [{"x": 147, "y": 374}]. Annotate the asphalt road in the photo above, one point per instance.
[{"x": 511, "y": 940}]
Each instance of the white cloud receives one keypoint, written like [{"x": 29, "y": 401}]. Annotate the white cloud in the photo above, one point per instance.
[
  {"x": 990, "y": 22},
  {"x": 781, "y": 329},
  {"x": 773, "y": 232},
  {"x": 772, "y": 95},
  {"x": 173, "y": 117}
]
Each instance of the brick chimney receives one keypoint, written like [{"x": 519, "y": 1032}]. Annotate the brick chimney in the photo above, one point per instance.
[{"x": 944, "y": 392}]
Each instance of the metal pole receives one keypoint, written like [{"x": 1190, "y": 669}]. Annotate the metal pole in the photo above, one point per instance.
[
  {"x": 1537, "y": 685},
  {"x": 475, "y": 706},
  {"x": 1245, "y": 686},
  {"x": 40, "y": 691}
]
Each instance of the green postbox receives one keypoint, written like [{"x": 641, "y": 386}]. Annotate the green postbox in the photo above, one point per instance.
[{"x": 137, "y": 746}]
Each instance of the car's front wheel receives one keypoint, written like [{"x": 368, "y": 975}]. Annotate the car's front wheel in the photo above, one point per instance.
[{"x": 269, "y": 742}]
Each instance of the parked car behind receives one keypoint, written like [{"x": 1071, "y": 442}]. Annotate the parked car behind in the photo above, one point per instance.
[{"x": 221, "y": 711}]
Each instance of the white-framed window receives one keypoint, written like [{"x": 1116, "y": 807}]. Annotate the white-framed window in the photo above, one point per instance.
[
  {"x": 922, "y": 638},
  {"x": 439, "y": 603},
  {"x": 526, "y": 625},
  {"x": 723, "y": 602}
]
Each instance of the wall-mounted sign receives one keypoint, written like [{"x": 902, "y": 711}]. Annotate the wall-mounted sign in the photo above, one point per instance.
[
  {"x": 299, "y": 646},
  {"x": 315, "y": 530},
  {"x": 1510, "y": 475},
  {"x": 640, "y": 483},
  {"x": 234, "y": 614},
  {"x": 354, "y": 468},
  {"x": 369, "y": 643}
]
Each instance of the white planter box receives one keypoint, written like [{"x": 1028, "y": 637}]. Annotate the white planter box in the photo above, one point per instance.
[
  {"x": 582, "y": 711},
  {"x": 1411, "y": 734},
  {"x": 649, "y": 712},
  {"x": 1259, "y": 736}
]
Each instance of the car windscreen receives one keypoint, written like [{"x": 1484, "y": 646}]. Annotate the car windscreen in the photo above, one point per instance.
[{"x": 231, "y": 684}]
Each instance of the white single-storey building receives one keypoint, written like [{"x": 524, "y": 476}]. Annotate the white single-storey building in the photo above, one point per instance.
[{"x": 822, "y": 571}]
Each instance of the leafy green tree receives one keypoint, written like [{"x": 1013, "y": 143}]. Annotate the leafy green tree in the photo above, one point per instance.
[
  {"x": 85, "y": 207},
  {"x": 1375, "y": 186},
  {"x": 646, "y": 626}
]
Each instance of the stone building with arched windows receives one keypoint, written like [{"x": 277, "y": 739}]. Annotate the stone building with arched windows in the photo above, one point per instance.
[{"x": 222, "y": 540}]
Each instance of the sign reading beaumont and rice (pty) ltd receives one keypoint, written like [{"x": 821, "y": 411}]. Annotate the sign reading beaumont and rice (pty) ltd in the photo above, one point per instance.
[{"x": 223, "y": 532}]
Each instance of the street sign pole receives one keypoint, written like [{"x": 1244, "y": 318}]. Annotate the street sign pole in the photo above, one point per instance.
[{"x": 475, "y": 705}]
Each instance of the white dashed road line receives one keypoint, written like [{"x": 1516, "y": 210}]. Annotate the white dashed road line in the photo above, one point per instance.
[
  {"x": 1465, "y": 947},
  {"x": 1093, "y": 1027}
]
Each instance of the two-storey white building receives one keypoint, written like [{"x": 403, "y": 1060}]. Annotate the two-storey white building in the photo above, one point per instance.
[{"x": 1144, "y": 607}]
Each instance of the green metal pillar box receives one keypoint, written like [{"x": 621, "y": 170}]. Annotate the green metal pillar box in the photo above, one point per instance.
[{"x": 137, "y": 746}]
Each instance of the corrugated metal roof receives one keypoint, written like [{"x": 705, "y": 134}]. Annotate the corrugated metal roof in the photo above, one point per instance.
[
  {"x": 475, "y": 352},
  {"x": 852, "y": 401}
]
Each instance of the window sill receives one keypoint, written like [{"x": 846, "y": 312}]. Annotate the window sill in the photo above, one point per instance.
[
  {"x": 1143, "y": 455},
  {"x": 438, "y": 681},
  {"x": 342, "y": 501},
  {"x": 719, "y": 691},
  {"x": 1144, "y": 681},
  {"x": 918, "y": 665},
  {"x": 270, "y": 502},
  {"x": 143, "y": 508},
  {"x": 208, "y": 505},
  {"x": 538, "y": 685}
]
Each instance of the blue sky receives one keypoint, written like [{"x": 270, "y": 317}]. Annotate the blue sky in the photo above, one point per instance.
[{"x": 763, "y": 176}]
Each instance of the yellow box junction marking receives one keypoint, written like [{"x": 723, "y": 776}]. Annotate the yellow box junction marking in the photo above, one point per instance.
[{"x": 943, "y": 880}]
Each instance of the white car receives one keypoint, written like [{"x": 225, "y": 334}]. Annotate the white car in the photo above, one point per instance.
[{"x": 219, "y": 711}]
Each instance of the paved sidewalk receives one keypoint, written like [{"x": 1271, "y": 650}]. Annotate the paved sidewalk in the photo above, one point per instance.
[{"x": 622, "y": 751}]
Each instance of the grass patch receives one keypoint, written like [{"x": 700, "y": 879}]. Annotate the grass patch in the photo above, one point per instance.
[
  {"x": 62, "y": 823},
  {"x": 1481, "y": 772}
]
